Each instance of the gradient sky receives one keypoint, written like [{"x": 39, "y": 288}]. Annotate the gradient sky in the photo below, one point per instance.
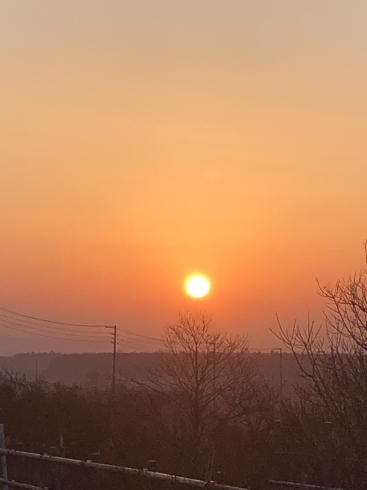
[{"x": 142, "y": 140}]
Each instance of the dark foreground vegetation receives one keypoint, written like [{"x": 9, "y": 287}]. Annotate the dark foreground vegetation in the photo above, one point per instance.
[
  {"x": 204, "y": 407},
  {"x": 137, "y": 426}
]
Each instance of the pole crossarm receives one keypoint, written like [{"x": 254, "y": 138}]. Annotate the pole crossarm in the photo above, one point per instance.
[{"x": 211, "y": 485}]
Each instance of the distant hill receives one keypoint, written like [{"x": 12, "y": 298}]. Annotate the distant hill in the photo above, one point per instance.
[{"x": 94, "y": 370}]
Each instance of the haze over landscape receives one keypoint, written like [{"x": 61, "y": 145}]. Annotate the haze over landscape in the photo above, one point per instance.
[{"x": 144, "y": 141}]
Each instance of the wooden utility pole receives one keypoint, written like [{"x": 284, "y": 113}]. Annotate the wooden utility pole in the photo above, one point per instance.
[
  {"x": 280, "y": 370},
  {"x": 36, "y": 370},
  {"x": 114, "y": 341},
  {"x": 112, "y": 402}
]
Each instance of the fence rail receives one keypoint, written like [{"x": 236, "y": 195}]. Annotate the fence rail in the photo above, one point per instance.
[
  {"x": 149, "y": 474},
  {"x": 300, "y": 486},
  {"x": 16, "y": 484},
  {"x": 117, "y": 469}
]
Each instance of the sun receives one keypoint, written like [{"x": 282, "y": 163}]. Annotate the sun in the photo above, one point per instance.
[{"x": 197, "y": 285}]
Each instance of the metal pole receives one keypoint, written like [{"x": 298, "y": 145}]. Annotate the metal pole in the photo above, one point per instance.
[
  {"x": 280, "y": 370},
  {"x": 36, "y": 369},
  {"x": 114, "y": 340},
  {"x": 215, "y": 406},
  {"x": 4, "y": 467},
  {"x": 114, "y": 360}
]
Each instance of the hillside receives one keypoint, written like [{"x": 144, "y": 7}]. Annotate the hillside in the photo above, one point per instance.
[{"x": 94, "y": 370}]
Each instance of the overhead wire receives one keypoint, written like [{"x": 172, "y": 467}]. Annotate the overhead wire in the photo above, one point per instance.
[
  {"x": 138, "y": 340},
  {"x": 31, "y": 324},
  {"x": 139, "y": 345},
  {"x": 13, "y": 320},
  {"x": 51, "y": 336},
  {"x": 141, "y": 335},
  {"x": 59, "y": 330},
  {"x": 87, "y": 325}
]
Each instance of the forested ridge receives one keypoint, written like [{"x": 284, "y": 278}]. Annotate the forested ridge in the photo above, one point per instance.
[{"x": 94, "y": 370}]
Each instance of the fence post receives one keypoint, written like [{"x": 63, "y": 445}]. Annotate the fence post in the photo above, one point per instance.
[{"x": 4, "y": 468}]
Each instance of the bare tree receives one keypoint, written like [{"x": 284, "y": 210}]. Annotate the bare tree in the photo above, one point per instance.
[
  {"x": 332, "y": 360},
  {"x": 207, "y": 375}
]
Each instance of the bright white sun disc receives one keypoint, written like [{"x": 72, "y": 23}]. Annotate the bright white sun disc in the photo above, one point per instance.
[{"x": 197, "y": 286}]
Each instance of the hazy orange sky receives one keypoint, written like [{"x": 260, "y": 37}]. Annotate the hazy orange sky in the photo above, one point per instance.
[{"x": 142, "y": 140}]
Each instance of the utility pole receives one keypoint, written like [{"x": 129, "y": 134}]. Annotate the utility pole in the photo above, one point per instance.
[
  {"x": 114, "y": 341},
  {"x": 280, "y": 370},
  {"x": 210, "y": 472},
  {"x": 214, "y": 378},
  {"x": 36, "y": 370},
  {"x": 112, "y": 402}
]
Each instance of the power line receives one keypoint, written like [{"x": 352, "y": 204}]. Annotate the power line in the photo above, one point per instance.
[
  {"x": 31, "y": 324},
  {"x": 87, "y": 325},
  {"x": 59, "y": 330},
  {"x": 142, "y": 336},
  {"x": 51, "y": 336},
  {"x": 141, "y": 343},
  {"x": 137, "y": 339},
  {"x": 138, "y": 342}
]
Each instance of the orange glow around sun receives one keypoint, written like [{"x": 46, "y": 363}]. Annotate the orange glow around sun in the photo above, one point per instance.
[{"x": 197, "y": 286}]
